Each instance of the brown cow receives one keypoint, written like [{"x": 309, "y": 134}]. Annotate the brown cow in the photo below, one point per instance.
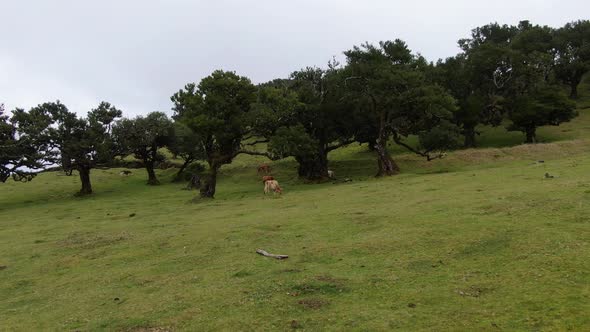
[
  {"x": 267, "y": 178},
  {"x": 264, "y": 169}
]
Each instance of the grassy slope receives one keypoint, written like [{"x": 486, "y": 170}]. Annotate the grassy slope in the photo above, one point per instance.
[{"x": 479, "y": 240}]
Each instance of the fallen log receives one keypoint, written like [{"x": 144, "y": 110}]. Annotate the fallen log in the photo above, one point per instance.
[{"x": 266, "y": 254}]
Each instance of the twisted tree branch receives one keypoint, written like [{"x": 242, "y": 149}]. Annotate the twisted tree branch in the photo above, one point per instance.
[{"x": 425, "y": 154}]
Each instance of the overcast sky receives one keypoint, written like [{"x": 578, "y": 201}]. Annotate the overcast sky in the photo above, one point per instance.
[{"x": 137, "y": 53}]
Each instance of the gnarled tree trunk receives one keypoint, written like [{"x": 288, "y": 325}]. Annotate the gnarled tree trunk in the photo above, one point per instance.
[
  {"x": 152, "y": 179},
  {"x": 469, "y": 133},
  {"x": 386, "y": 164},
  {"x": 574, "y": 89},
  {"x": 531, "y": 135},
  {"x": 85, "y": 179},
  {"x": 178, "y": 176},
  {"x": 313, "y": 167},
  {"x": 66, "y": 164},
  {"x": 209, "y": 182},
  {"x": 372, "y": 143},
  {"x": 194, "y": 183}
]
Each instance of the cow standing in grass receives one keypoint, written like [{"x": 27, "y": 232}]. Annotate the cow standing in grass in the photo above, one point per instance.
[
  {"x": 264, "y": 169},
  {"x": 272, "y": 185}
]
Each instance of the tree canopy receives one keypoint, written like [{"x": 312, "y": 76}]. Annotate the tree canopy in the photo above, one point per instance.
[
  {"x": 314, "y": 118},
  {"x": 391, "y": 92},
  {"x": 73, "y": 143},
  {"x": 572, "y": 46},
  {"x": 186, "y": 145},
  {"x": 21, "y": 147},
  {"x": 507, "y": 71},
  {"x": 143, "y": 137},
  {"x": 219, "y": 111}
]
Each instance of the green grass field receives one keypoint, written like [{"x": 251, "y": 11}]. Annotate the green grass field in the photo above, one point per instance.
[{"x": 480, "y": 240}]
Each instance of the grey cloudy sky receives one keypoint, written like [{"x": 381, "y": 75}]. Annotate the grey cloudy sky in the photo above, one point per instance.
[{"x": 137, "y": 53}]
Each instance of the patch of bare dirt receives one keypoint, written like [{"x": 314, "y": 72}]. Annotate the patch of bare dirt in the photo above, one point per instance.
[
  {"x": 87, "y": 240},
  {"x": 313, "y": 303},
  {"x": 472, "y": 291},
  {"x": 148, "y": 329}
]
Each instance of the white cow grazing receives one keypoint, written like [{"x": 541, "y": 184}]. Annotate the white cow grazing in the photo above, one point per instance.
[{"x": 331, "y": 174}]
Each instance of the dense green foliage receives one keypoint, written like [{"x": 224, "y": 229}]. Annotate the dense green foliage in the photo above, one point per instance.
[
  {"x": 186, "y": 145},
  {"x": 20, "y": 154},
  {"x": 540, "y": 107},
  {"x": 503, "y": 68},
  {"x": 393, "y": 95},
  {"x": 83, "y": 143},
  {"x": 572, "y": 45},
  {"x": 143, "y": 137},
  {"x": 317, "y": 120},
  {"x": 60, "y": 137},
  {"x": 218, "y": 110}
]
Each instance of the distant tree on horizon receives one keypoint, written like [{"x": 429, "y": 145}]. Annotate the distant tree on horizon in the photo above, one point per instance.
[
  {"x": 572, "y": 45},
  {"x": 506, "y": 72},
  {"x": 533, "y": 97}
]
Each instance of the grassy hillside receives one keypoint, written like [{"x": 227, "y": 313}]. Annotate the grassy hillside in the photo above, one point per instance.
[{"x": 480, "y": 240}]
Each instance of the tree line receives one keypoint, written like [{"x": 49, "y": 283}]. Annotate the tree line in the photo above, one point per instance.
[{"x": 383, "y": 94}]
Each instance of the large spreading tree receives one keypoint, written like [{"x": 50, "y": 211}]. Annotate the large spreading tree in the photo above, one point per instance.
[
  {"x": 533, "y": 97},
  {"x": 22, "y": 147},
  {"x": 74, "y": 143},
  {"x": 219, "y": 110},
  {"x": 478, "y": 77},
  {"x": 513, "y": 66},
  {"x": 477, "y": 100},
  {"x": 86, "y": 143},
  {"x": 388, "y": 84},
  {"x": 313, "y": 116},
  {"x": 544, "y": 105},
  {"x": 143, "y": 137}
]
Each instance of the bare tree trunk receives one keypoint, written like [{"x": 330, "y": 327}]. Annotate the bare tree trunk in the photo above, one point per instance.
[
  {"x": 194, "y": 183},
  {"x": 85, "y": 179},
  {"x": 209, "y": 182},
  {"x": 178, "y": 175},
  {"x": 314, "y": 168},
  {"x": 372, "y": 144},
  {"x": 531, "y": 135},
  {"x": 469, "y": 133},
  {"x": 385, "y": 163},
  {"x": 66, "y": 164},
  {"x": 574, "y": 89},
  {"x": 152, "y": 179}
]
